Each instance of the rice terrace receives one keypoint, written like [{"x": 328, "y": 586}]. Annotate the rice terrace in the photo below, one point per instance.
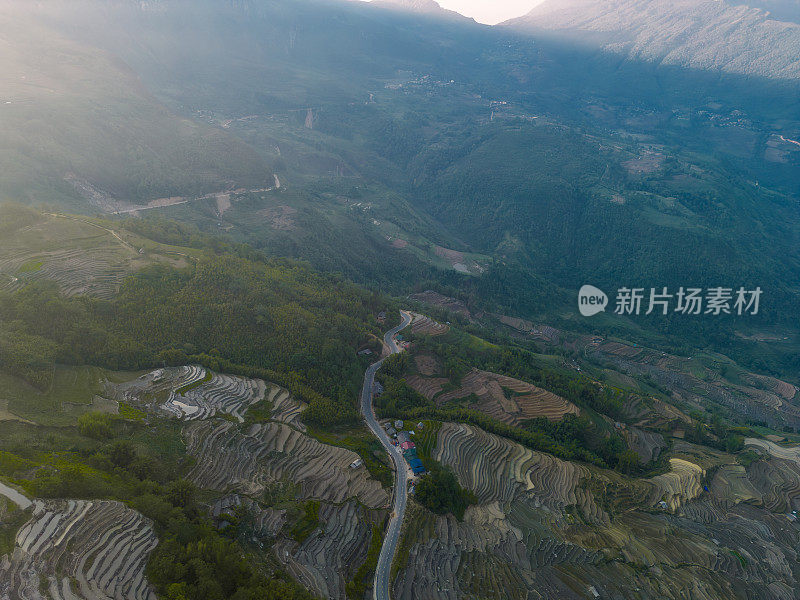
[{"x": 399, "y": 300}]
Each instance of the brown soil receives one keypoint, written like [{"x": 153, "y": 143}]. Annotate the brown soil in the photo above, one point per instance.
[
  {"x": 506, "y": 399},
  {"x": 454, "y": 256},
  {"x": 427, "y": 364},
  {"x": 280, "y": 217}
]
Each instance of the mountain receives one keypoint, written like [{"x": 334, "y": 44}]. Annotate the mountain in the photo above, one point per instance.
[
  {"x": 505, "y": 168},
  {"x": 700, "y": 34},
  {"x": 182, "y": 400},
  {"x": 782, "y": 10}
]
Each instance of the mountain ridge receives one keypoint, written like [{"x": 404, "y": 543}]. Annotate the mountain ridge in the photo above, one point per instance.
[
  {"x": 706, "y": 34},
  {"x": 422, "y": 7}
]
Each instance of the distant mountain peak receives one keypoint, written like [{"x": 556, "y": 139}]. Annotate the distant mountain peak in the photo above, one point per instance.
[
  {"x": 735, "y": 36},
  {"x": 414, "y": 5},
  {"x": 425, "y": 7}
]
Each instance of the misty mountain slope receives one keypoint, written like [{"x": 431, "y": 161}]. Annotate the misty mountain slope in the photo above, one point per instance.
[
  {"x": 411, "y": 149},
  {"x": 505, "y": 141},
  {"x": 700, "y": 34},
  {"x": 78, "y": 128},
  {"x": 425, "y": 7}
]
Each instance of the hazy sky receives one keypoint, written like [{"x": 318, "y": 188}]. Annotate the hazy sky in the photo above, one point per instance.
[{"x": 490, "y": 11}]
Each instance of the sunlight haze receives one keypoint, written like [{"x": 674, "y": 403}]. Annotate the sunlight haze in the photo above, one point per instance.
[{"x": 491, "y": 13}]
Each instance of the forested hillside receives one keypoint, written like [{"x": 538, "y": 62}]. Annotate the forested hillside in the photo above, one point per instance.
[
  {"x": 227, "y": 305},
  {"x": 218, "y": 208},
  {"x": 257, "y": 342}
]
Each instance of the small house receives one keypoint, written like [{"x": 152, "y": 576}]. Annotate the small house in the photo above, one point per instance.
[
  {"x": 356, "y": 463},
  {"x": 398, "y": 424},
  {"x": 403, "y": 436},
  {"x": 391, "y": 432}
]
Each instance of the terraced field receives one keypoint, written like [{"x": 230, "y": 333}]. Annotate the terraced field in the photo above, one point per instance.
[
  {"x": 228, "y": 459},
  {"x": 420, "y": 324},
  {"x": 427, "y": 386},
  {"x": 787, "y": 391},
  {"x": 539, "y": 531},
  {"x": 504, "y": 398},
  {"x": 285, "y": 408},
  {"x": 190, "y": 393},
  {"x": 77, "y": 549},
  {"x": 496, "y": 469},
  {"x": 545, "y": 333},
  {"x": 683, "y": 483},
  {"x": 647, "y": 444},
  {"x": 325, "y": 560},
  {"x": 80, "y": 256},
  {"x": 436, "y": 299},
  {"x": 759, "y": 398}
]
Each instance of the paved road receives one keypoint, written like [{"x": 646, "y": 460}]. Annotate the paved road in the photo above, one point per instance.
[{"x": 384, "y": 568}]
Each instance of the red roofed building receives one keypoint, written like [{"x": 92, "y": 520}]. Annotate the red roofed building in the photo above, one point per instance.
[{"x": 407, "y": 445}]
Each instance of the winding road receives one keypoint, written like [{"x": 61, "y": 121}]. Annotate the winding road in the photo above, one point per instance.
[{"x": 384, "y": 568}]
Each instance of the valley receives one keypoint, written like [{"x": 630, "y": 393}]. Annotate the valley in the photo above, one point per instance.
[{"x": 288, "y": 301}]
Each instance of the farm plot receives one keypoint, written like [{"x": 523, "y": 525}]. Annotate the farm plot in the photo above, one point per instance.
[
  {"x": 75, "y": 271},
  {"x": 787, "y": 391},
  {"x": 420, "y": 324},
  {"x": 690, "y": 381},
  {"x": 777, "y": 482},
  {"x": 731, "y": 486},
  {"x": 193, "y": 393},
  {"x": 436, "y": 299},
  {"x": 647, "y": 444},
  {"x": 427, "y": 386},
  {"x": 82, "y": 257},
  {"x": 509, "y": 400},
  {"x": 285, "y": 408},
  {"x": 683, "y": 483},
  {"x": 77, "y": 549},
  {"x": 333, "y": 551},
  {"x": 427, "y": 364},
  {"x": 528, "y": 538},
  {"x": 790, "y": 453},
  {"x": 228, "y": 459},
  {"x": 497, "y": 469},
  {"x": 449, "y": 551}
]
